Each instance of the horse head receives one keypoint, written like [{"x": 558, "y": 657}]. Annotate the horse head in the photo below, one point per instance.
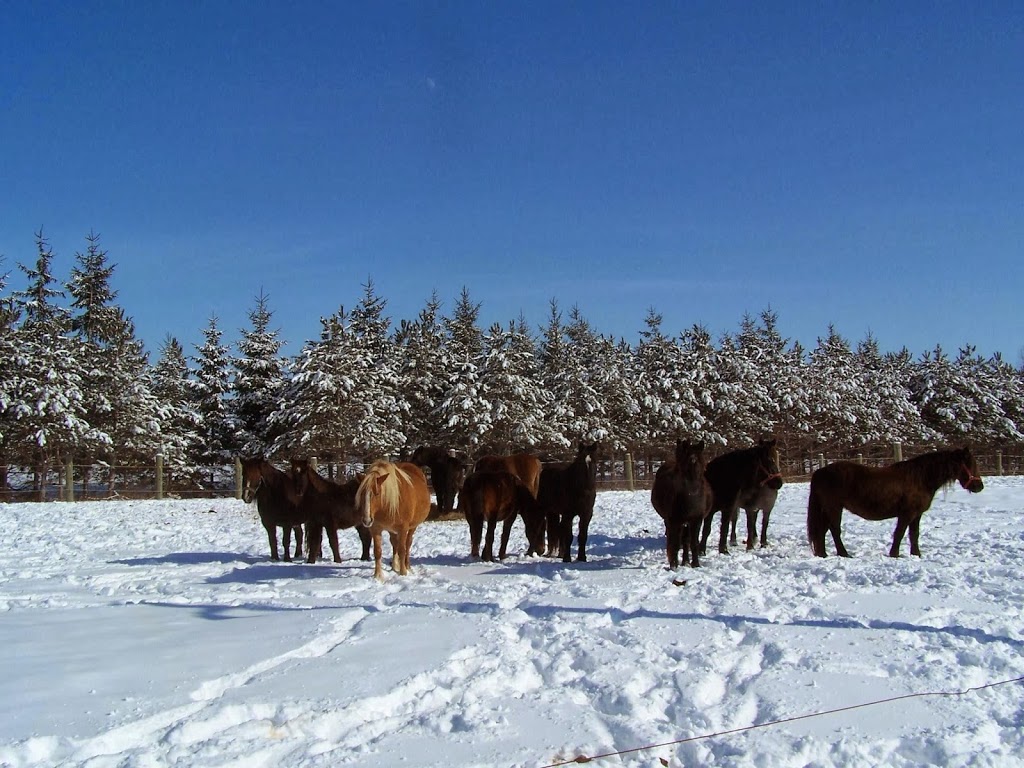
[
  {"x": 968, "y": 474},
  {"x": 252, "y": 477},
  {"x": 690, "y": 457},
  {"x": 768, "y": 465}
]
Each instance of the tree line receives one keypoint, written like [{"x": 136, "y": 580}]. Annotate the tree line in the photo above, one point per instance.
[{"x": 77, "y": 385}]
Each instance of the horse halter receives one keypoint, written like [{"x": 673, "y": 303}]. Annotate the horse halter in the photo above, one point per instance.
[
  {"x": 768, "y": 475},
  {"x": 971, "y": 477},
  {"x": 247, "y": 489}
]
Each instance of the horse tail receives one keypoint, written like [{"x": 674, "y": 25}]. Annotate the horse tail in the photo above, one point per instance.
[{"x": 816, "y": 523}]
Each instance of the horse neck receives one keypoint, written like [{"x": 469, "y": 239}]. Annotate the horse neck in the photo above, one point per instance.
[{"x": 934, "y": 470}]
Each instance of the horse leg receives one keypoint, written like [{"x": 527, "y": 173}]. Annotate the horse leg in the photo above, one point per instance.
[
  {"x": 407, "y": 550},
  {"x": 765, "y": 514},
  {"x": 476, "y": 531},
  {"x": 732, "y": 526},
  {"x": 751, "y": 528},
  {"x": 365, "y": 539},
  {"x": 897, "y": 535},
  {"x": 728, "y": 516},
  {"x": 915, "y": 529},
  {"x": 581, "y": 550},
  {"x": 565, "y": 537},
  {"x": 672, "y": 532},
  {"x": 286, "y": 541},
  {"x": 378, "y": 572},
  {"x": 396, "y": 552},
  {"x": 554, "y": 526},
  {"x": 506, "y": 531},
  {"x": 272, "y": 536},
  {"x": 332, "y": 539},
  {"x": 488, "y": 555},
  {"x": 694, "y": 536},
  {"x": 835, "y": 527},
  {"x": 706, "y": 532},
  {"x": 313, "y": 537}
]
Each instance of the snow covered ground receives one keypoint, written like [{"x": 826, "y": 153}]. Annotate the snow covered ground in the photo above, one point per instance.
[{"x": 159, "y": 634}]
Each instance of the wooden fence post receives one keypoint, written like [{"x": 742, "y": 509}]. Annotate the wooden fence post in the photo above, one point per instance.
[
  {"x": 999, "y": 462},
  {"x": 897, "y": 452},
  {"x": 860, "y": 458},
  {"x": 159, "y": 475},
  {"x": 238, "y": 478},
  {"x": 821, "y": 460},
  {"x": 69, "y": 481},
  {"x": 629, "y": 471}
]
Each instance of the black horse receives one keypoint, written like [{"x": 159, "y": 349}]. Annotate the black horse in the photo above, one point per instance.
[
  {"x": 568, "y": 490},
  {"x": 276, "y": 502},
  {"x": 747, "y": 478},
  {"x": 446, "y": 474},
  {"x": 325, "y": 504},
  {"x": 682, "y": 496},
  {"x": 903, "y": 490}
]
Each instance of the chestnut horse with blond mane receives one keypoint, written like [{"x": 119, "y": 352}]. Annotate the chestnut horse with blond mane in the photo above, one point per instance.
[{"x": 393, "y": 497}]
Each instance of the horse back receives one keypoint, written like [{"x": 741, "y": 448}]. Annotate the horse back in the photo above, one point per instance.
[
  {"x": 525, "y": 466},
  {"x": 874, "y": 493}
]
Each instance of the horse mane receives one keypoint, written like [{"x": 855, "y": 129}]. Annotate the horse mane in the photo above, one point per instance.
[
  {"x": 935, "y": 469},
  {"x": 390, "y": 490}
]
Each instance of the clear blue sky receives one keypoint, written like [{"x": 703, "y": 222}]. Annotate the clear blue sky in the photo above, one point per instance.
[{"x": 860, "y": 164}]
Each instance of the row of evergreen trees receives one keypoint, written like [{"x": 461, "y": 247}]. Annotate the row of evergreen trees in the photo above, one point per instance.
[{"x": 76, "y": 384}]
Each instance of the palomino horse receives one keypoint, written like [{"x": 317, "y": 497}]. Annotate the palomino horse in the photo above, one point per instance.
[
  {"x": 446, "y": 474},
  {"x": 494, "y": 497},
  {"x": 393, "y": 497},
  {"x": 568, "y": 490},
  {"x": 743, "y": 478},
  {"x": 903, "y": 490},
  {"x": 325, "y": 504},
  {"x": 276, "y": 502},
  {"x": 682, "y": 496}
]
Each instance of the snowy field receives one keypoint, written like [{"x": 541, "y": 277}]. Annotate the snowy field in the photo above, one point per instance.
[{"x": 142, "y": 634}]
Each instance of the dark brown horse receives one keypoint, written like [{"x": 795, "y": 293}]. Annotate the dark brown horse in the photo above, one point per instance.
[
  {"x": 682, "y": 496},
  {"x": 446, "y": 474},
  {"x": 327, "y": 505},
  {"x": 903, "y": 490},
  {"x": 568, "y": 490},
  {"x": 742, "y": 478},
  {"x": 276, "y": 502},
  {"x": 393, "y": 497},
  {"x": 493, "y": 497},
  {"x": 525, "y": 466}
]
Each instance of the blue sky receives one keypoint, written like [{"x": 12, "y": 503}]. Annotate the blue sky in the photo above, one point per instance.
[{"x": 859, "y": 164}]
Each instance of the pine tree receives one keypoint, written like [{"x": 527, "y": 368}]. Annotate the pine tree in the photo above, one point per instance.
[
  {"x": 839, "y": 406},
  {"x": 179, "y": 421},
  {"x": 209, "y": 393},
  {"x": 423, "y": 374},
  {"x": 47, "y": 418},
  {"x": 465, "y": 411},
  {"x": 669, "y": 407},
  {"x": 260, "y": 378}
]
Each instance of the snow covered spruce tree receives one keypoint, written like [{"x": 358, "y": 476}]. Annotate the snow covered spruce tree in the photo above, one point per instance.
[
  {"x": 179, "y": 420},
  {"x": 46, "y": 417},
  {"x": 465, "y": 412},
  {"x": 509, "y": 381},
  {"x": 10, "y": 365},
  {"x": 259, "y": 379},
  {"x": 210, "y": 393},
  {"x": 122, "y": 411},
  {"x": 423, "y": 373},
  {"x": 841, "y": 410},
  {"x": 669, "y": 408},
  {"x": 893, "y": 417}
]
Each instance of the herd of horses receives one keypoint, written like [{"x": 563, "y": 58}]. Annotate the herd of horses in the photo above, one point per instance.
[{"x": 552, "y": 497}]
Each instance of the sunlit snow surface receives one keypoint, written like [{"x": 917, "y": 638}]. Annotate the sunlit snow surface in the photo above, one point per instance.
[{"x": 160, "y": 634}]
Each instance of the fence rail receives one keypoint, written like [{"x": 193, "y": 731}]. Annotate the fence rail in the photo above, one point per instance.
[{"x": 622, "y": 472}]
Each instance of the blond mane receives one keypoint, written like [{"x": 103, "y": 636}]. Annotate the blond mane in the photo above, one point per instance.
[{"x": 390, "y": 491}]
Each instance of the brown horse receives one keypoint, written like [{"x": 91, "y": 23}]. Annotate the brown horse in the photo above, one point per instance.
[
  {"x": 742, "y": 478},
  {"x": 276, "y": 502},
  {"x": 325, "y": 504},
  {"x": 568, "y": 490},
  {"x": 494, "y": 497},
  {"x": 525, "y": 466},
  {"x": 393, "y": 497},
  {"x": 903, "y": 490},
  {"x": 446, "y": 474},
  {"x": 682, "y": 496}
]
